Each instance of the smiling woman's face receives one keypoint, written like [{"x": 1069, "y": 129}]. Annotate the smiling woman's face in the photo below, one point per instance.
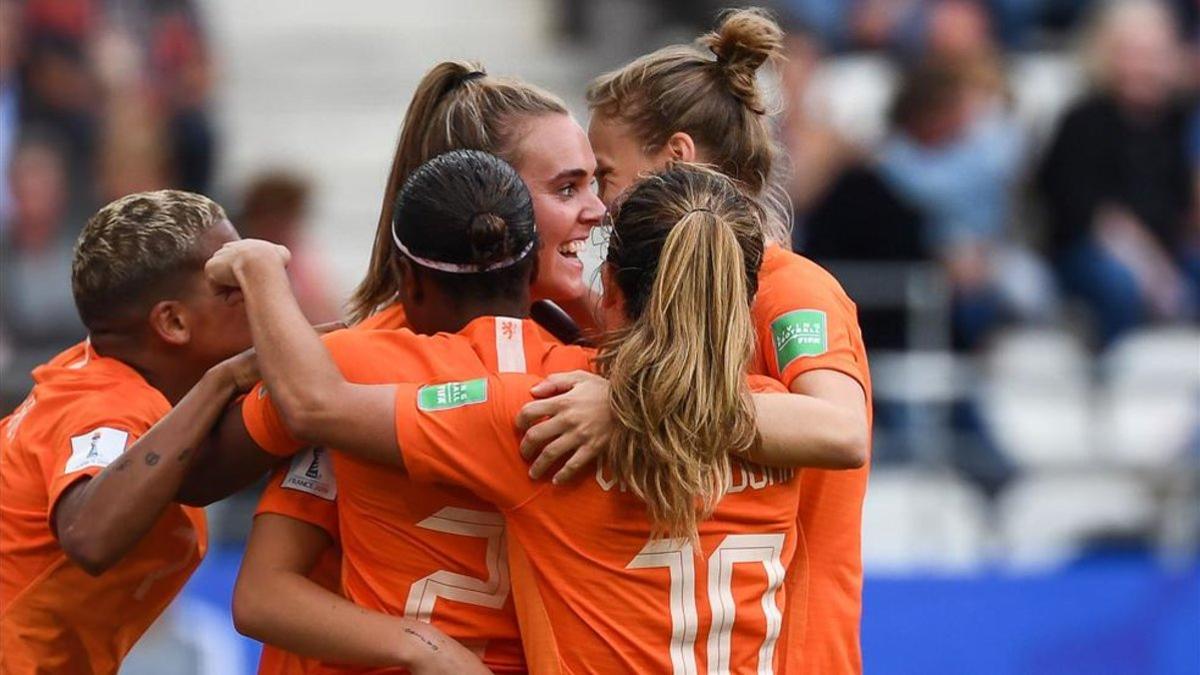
[{"x": 557, "y": 165}]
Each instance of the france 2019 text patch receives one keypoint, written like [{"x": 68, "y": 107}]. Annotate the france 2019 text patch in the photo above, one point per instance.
[
  {"x": 451, "y": 395},
  {"x": 802, "y": 332},
  {"x": 312, "y": 472}
]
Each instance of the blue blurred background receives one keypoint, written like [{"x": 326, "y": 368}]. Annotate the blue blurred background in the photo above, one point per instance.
[{"x": 1009, "y": 189}]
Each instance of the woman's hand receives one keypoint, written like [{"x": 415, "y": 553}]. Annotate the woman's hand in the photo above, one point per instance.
[
  {"x": 222, "y": 268},
  {"x": 572, "y": 420},
  {"x": 241, "y": 370}
]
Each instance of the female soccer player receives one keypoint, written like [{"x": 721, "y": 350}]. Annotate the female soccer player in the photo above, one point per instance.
[
  {"x": 614, "y": 557},
  {"x": 682, "y": 103},
  {"x": 464, "y": 222},
  {"x": 456, "y": 106}
]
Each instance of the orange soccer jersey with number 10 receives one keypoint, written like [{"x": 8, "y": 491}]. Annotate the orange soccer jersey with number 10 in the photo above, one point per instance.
[
  {"x": 83, "y": 412},
  {"x": 430, "y": 552},
  {"x": 616, "y": 601}
]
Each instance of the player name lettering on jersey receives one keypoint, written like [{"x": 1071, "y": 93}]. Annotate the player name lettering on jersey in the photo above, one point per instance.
[
  {"x": 745, "y": 475},
  {"x": 740, "y": 476}
]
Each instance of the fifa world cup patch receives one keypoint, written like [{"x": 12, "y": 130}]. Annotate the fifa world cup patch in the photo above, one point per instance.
[
  {"x": 452, "y": 395},
  {"x": 312, "y": 472},
  {"x": 98, "y": 447},
  {"x": 802, "y": 332}
]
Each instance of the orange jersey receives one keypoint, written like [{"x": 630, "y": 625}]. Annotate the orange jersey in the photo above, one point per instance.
[
  {"x": 430, "y": 552},
  {"x": 312, "y": 499},
  {"x": 306, "y": 491},
  {"x": 391, "y": 317},
  {"x": 83, "y": 412},
  {"x": 805, "y": 322},
  {"x": 617, "y": 601}
]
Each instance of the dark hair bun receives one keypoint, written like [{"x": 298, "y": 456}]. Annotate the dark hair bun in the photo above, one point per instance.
[
  {"x": 487, "y": 233},
  {"x": 744, "y": 41}
]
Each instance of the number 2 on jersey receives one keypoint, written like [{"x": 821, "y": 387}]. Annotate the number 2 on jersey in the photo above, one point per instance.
[
  {"x": 490, "y": 592},
  {"x": 679, "y": 558}
]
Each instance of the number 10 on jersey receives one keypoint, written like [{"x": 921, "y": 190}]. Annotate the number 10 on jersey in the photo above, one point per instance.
[{"x": 679, "y": 558}]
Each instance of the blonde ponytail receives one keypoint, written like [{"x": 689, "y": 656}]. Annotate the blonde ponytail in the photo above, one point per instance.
[{"x": 685, "y": 251}]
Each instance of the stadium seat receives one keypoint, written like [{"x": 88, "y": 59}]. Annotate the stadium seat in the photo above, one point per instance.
[
  {"x": 1048, "y": 519},
  {"x": 1036, "y": 398},
  {"x": 1150, "y": 407},
  {"x": 1170, "y": 355},
  {"x": 917, "y": 519},
  {"x": 852, "y": 93},
  {"x": 1040, "y": 355}
]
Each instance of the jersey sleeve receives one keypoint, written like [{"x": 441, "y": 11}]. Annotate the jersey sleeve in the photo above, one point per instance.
[
  {"x": 806, "y": 322},
  {"x": 261, "y": 417},
  {"x": 90, "y": 441},
  {"x": 464, "y": 434},
  {"x": 264, "y": 424},
  {"x": 305, "y": 490}
]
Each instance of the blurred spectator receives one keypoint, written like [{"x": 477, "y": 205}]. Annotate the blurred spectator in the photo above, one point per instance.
[
  {"x": 904, "y": 26},
  {"x": 59, "y": 93},
  {"x": 816, "y": 151},
  {"x": 275, "y": 208},
  {"x": 843, "y": 210},
  {"x": 37, "y": 307},
  {"x": 125, "y": 85},
  {"x": 1117, "y": 181},
  {"x": 133, "y": 154},
  {"x": 10, "y": 33},
  {"x": 955, "y": 153},
  {"x": 181, "y": 75}
]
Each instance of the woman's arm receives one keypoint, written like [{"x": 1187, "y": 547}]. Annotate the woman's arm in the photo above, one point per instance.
[
  {"x": 227, "y": 461},
  {"x": 572, "y": 421},
  {"x": 276, "y": 602},
  {"x": 821, "y": 424},
  {"x": 99, "y": 520},
  {"x": 315, "y": 401}
]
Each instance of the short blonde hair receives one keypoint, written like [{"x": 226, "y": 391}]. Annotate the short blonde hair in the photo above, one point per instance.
[{"x": 134, "y": 245}]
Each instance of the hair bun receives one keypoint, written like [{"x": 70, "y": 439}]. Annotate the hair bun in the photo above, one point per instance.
[
  {"x": 744, "y": 41},
  {"x": 488, "y": 234}
]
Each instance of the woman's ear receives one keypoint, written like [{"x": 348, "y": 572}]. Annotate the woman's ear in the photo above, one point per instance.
[
  {"x": 169, "y": 321},
  {"x": 681, "y": 147}
]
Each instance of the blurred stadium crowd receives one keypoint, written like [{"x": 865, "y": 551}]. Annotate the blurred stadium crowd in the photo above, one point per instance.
[
  {"x": 1009, "y": 189},
  {"x": 1011, "y": 193},
  {"x": 98, "y": 100}
]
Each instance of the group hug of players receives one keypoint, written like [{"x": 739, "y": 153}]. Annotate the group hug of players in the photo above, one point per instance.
[{"x": 466, "y": 491}]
